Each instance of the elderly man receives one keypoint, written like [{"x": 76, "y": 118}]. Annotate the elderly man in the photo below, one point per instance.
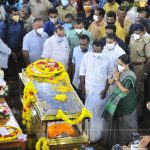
[
  {"x": 57, "y": 47},
  {"x": 33, "y": 42},
  {"x": 95, "y": 70},
  {"x": 140, "y": 58}
]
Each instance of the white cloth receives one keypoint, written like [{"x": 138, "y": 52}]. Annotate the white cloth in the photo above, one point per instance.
[
  {"x": 96, "y": 72},
  {"x": 33, "y": 43},
  {"x": 132, "y": 14},
  {"x": 96, "y": 106},
  {"x": 113, "y": 54},
  {"x": 5, "y": 51},
  {"x": 59, "y": 51},
  {"x": 76, "y": 60}
]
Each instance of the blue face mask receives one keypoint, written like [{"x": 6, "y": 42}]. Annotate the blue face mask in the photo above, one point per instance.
[
  {"x": 67, "y": 26},
  {"x": 64, "y": 2}
]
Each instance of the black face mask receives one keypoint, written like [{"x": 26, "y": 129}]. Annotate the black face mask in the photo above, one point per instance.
[
  {"x": 110, "y": 1},
  {"x": 85, "y": 50},
  {"x": 110, "y": 23}
]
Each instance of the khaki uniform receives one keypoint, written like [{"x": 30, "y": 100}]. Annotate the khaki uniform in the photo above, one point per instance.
[
  {"x": 139, "y": 50},
  {"x": 63, "y": 11},
  {"x": 39, "y": 9}
]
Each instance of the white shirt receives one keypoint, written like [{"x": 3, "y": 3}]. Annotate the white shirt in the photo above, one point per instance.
[
  {"x": 96, "y": 72},
  {"x": 5, "y": 51},
  {"x": 33, "y": 43},
  {"x": 76, "y": 60},
  {"x": 59, "y": 51},
  {"x": 113, "y": 54}
]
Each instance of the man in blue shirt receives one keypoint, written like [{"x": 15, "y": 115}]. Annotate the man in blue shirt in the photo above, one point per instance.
[
  {"x": 11, "y": 32},
  {"x": 49, "y": 26},
  {"x": 112, "y": 29}
]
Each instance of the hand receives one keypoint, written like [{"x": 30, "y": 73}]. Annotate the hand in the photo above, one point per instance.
[
  {"x": 116, "y": 75},
  {"x": 144, "y": 142},
  {"x": 148, "y": 105},
  {"x": 110, "y": 81},
  {"x": 103, "y": 94},
  {"x": 125, "y": 147}
]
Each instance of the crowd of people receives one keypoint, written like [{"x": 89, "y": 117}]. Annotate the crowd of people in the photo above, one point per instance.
[{"x": 104, "y": 46}]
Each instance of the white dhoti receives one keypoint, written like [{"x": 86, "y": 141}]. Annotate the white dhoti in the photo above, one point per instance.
[{"x": 96, "y": 106}]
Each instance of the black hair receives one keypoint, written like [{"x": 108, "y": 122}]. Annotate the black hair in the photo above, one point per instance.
[
  {"x": 12, "y": 8},
  {"x": 122, "y": 8},
  {"x": 83, "y": 1},
  {"x": 37, "y": 19},
  {"x": 59, "y": 27},
  {"x": 111, "y": 14},
  {"x": 98, "y": 43},
  {"x": 52, "y": 11},
  {"x": 125, "y": 59},
  {"x": 111, "y": 36},
  {"x": 146, "y": 12},
  {"x": 111, "y": 27},
  {"x": 101, "y": 11},
  {"x": 84, "y": 37},
  {"x": 69, "y": 15},
  {"x": 78, "y": 21},
  {"x": 144, "y": 22}
]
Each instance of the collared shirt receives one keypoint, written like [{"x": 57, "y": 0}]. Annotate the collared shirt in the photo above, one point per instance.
[
  {"x": 119, "y": 32},
  {"x": 4, "y": 54},
  {"x": 73, "y": 38},
  {"x": 113, "y": 54},
  {"x": 139, "y": 49},
  {"x": 28, "y": 24},
  {"x": 120, "y": 43},
  {"x": 49, "y": 27},
  {"x": 76, "y": 60},
  {"x": 101, "y": 3},
  {"x": 87, "y": 20},
  {"x": 59, "y": 51},
  {"x": 63, "y": 11},
  {"x": 95, "y": 29},
  {"x": 12, "y": 33},
  {"x": 39, "y": 9},
  {"x": 96, "y": 72},
  {"x": 33, "y": 43},
  {"x": 108, "y": 7}
]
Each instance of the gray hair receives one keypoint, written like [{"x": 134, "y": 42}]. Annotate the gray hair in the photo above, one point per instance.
[{"x": 27, "y": 8}]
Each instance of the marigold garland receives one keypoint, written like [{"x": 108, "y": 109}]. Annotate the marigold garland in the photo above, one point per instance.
[
  {"x": 42, "y": 144},
  {"x": 84, "y": 113},
  {"x": 28, "y": 99},
  {"x": 60, "y": 97},
  {"x": 13, "y": 134}
]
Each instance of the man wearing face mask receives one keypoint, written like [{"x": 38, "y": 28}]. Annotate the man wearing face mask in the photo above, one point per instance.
[
  {"x": 111, "y": 6},
  {"x": 112, "y": 49},
  {"x": 49, "y": 26},
  {"x": 74, "y": 35},
  {"x": 11, "y": 32},
  {"x": 64, "y": 9},
  {"x": 78, "y": 54},
  {"x": 98, "y": 22},
  {"x": 27, "y": 18},
  {"x": 111, "y": 19},
  {"x": 32, "y": 51},
  {"x": 140, "y": 58},
  {"x": 87, "y": 13},
  {"x": 56, "y": 47},
  {"x": 95, "y": 70}
]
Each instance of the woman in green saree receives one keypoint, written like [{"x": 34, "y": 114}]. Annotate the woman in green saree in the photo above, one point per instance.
[{"x": 120, "y": 111}]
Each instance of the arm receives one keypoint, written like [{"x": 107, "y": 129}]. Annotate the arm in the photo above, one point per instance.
[
  {"x": 26, "y": 57},
  {"x": 82, "y": 86}
]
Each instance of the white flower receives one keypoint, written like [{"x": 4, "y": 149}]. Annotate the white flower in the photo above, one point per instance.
[{"x": 1, "y": 73}]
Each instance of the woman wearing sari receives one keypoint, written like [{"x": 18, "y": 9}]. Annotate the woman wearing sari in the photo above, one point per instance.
[{"x": 120, "y": 111}]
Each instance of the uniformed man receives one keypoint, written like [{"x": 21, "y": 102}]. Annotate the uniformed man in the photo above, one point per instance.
[{"x": 140, "y": 58}]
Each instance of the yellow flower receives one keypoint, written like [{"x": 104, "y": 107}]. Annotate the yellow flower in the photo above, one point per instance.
[
  {"x": 42, "y": 144},
  {"x": 60, "y": 97}
]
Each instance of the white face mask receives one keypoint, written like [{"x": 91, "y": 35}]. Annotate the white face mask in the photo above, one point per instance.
[
  {"x": 40, "y": 31},
  {"x": 95, "y": 18},
  {"x": 75, "y": 5},
  {"x": 64, "y": 2},
  {"x": 110, "y": 46},
  {"x": 53, "y": 20},
  {"x": 97, "y": 54},
  {"x": 135, "y": 36},
  {"x": 121, "y": 68},
  {"x": 78, "y": 31},
  {"x": 59, "y": 39}
]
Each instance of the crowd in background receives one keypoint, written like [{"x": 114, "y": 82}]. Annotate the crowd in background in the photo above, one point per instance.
[{"x": 103, "y": 44}]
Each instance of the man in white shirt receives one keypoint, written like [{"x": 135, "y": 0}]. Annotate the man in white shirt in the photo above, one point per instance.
[
  {"x": 95, "y": 70},
  {"x": 112, "y": 50},
  {"x": 78, "y": 54},
  {"x": 33, "y": 42},
  {"x": 57, "y": 47}
]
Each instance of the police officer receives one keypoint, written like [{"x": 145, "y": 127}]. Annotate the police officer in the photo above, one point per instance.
[{"x": 140, "y": 57}]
